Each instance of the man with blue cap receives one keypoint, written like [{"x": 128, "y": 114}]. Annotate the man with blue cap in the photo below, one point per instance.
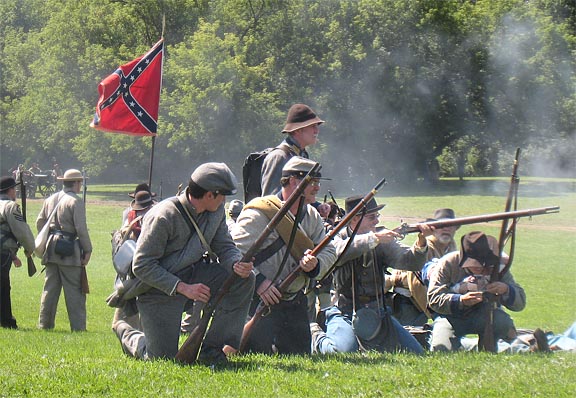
[{"x": 170, "y": 259}]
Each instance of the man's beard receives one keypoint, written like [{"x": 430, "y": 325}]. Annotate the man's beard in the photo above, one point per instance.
[{"x": 444, "y": 239}]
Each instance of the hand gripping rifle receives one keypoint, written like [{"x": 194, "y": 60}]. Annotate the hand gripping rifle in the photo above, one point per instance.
[
  {"x": 488, "y": 342},
  {"x": 29, "y": 260},
  {"x": 283, "y": 286},
  {"x": 188, "y": 352}
]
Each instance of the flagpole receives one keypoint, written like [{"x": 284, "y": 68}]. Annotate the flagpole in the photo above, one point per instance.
[
  {"x": 154, "y": 136},
  {"x": 151, "y": 162}
]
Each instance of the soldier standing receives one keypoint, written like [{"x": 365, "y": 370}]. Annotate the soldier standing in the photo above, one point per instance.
[
  {"x": 64, "y": 270},
  {"x": 13, "y": 232}
]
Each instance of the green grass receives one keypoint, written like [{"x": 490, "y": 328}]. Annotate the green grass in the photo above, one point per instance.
[{"x": 61, "y": 364}]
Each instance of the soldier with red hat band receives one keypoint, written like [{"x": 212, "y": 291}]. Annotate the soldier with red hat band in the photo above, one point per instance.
[
  {"x": 13, "y": 232},
  {"x": 302, "y": 129}
]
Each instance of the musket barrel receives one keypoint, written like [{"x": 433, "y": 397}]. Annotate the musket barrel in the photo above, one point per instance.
[{"x": 454, "y": 222}]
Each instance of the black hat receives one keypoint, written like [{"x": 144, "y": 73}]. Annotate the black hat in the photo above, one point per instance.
[
  {"x": 6, "y": 183},
  {"x": 300, "y": 116},
  {"x": 371, "y": 207},
  {"x": 142, "y": 201},
  {"x": 141, "y": 187},
  {"x": 299, "y": 167},
  {"x": 215, "y": 177},
  {"x": 479, "y": 249}
]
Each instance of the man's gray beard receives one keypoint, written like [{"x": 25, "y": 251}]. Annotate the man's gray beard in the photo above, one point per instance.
[{"x": 444, "y": 239}]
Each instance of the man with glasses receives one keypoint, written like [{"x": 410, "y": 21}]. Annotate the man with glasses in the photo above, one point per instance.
[
  {"x": 285, "y": 330},
  {"x": 359, "y": 318}
]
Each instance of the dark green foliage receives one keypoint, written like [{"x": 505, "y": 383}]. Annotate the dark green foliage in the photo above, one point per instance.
[{"x": 398, "y": 82}]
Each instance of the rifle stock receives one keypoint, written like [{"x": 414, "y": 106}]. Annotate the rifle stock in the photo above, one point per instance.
[
  {"x": 188, "y": 352},
  {"x": 29, "y": 260},
  {"x": 455, "y": 222},
  {"x": 283, "y": 286}
]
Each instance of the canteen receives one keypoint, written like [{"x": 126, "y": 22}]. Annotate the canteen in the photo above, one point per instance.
[{"x": 122, "y": 260}]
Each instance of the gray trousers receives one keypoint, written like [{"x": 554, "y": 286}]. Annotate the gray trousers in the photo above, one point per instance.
[
  {"x": 67, "y": 278},
  {"x": 447, "y": 330},
  {"x": 161, "y": 315}
]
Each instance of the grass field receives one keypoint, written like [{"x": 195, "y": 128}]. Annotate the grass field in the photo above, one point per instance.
[{"x": 58, "y": 363}]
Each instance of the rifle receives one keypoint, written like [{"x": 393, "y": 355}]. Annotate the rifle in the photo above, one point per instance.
[
  {"x": 83, "y": 274},
  {"x": 29, "y": 260},
  {"x": 340, "y": 211},
  {"x": 487, "y": 342},
  {"x": 283, "y": 286},
  {"x": 455, "y": 222},
  {"x": 188, "y": 352}
]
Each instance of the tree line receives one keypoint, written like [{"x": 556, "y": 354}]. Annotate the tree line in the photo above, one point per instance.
[{"x": 409, "y": 90}]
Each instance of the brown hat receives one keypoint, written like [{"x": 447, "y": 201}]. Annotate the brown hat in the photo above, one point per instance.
[
  {"x": 479, "y": 249},
  {"x": 72, "y": 175},
  {"x": 371, "y": 207},
  {"x": 442, "y": 214},
  {"x": 6, "y": 183},
  {"x": 300, "y": 116},
  {"x": 142, "y": 201},
  {"x": 141, "y": 187}
]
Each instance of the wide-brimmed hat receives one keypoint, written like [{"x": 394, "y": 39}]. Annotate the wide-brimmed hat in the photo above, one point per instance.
[
  {"x": 443, "y": 214},
  {"x": 141, "y": 187},
  {"x": 300, "y": 116},
  {"x": 215, "y": 177},
  {"x": 479, "y": 250},
  {"x": 371, "y": 207},
  {"x": 6, "y": 183},
  {"x": 298, "y": 166},
  {"x": 72, "y": 175},
  {"x": 142, "y": 201}
]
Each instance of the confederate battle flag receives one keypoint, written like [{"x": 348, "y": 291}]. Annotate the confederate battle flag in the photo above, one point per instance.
[{"x": 130, "y": 97}]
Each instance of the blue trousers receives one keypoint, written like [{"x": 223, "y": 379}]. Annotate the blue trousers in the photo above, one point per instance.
[{"x": 340, "y": 336}]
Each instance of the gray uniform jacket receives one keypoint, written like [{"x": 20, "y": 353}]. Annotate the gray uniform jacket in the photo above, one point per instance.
[
  {"x": 167, "y": 245},
  {"x": 273, "y": 164},
  {"x": 250, "y": 225},
  {"x": 448, "y": 272},
  {"x": 365, "y": 251},
  {"x": 71, "y": 218},
  {"x": 13, "y": 228}
]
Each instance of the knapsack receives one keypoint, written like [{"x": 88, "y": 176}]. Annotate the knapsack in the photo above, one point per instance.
[{"x": 252, "y": 171}]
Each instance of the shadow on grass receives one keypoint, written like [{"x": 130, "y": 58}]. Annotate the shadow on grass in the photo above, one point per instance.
[{"x": 298, "y": 363}]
